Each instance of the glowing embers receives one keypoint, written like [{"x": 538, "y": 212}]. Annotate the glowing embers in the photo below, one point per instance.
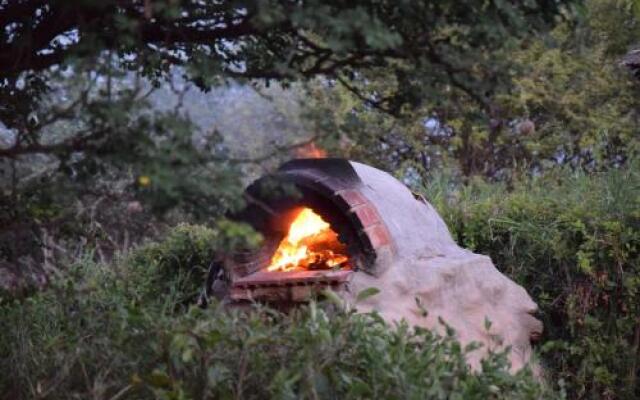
[{"x": 310, "y": 244}]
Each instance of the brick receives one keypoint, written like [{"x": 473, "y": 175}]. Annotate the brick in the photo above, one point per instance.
[
  {"x": 292, "y": 277},
  {"x": 240, "y": 294},
  {"x": 312, "y": 176},
  {"x": 270, "y": 293},
  {"x": 378, "y": 236},
  {"x": 283, "y": 293},
  {"x": 240, "y": 270},
  {"x": 352, "y": 197},
  {"x": 300, "y": 292},
  {"x": 316, "y": 176},
  {"x": 366, "y": 215}
]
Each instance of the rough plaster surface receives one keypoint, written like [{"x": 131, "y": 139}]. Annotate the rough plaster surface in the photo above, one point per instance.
[{"x": 462, "y": 288}]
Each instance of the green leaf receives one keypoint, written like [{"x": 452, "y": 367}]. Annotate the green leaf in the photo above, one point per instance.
[
  {"x": 333, "y": 297},
  {"x": 366, "y": 293}
]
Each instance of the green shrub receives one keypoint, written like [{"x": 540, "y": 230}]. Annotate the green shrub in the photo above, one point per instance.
[
  {"x": 184, "y": 256},
  {"x": 573, "y": 241},
  {"x": 313, "y": 353},
  {"x": 109, "y": 332},
  {"x": 82, "y": 336}
]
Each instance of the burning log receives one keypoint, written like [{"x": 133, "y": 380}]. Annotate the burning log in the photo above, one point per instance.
[{"x": 310, "y": 244}]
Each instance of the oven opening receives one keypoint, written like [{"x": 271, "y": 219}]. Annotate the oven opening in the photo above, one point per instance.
[{"x": 309, "y": 245}]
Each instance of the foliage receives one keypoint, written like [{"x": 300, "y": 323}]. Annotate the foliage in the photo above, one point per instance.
[
  {"x": 537, "y": 101},
  {"x": 77, "y": 126},
  {"x": 107, "y": 171},
  {"x": 570, "y": 238},
  {"x": 121, "y": 331},
  {"x": 187, "y": 252},
  {"x": 312, "y": 354},
  {"x": 573, "y": 241},
  {"x": 272, "y": 38},
  {"x": 583, "y": 104}
]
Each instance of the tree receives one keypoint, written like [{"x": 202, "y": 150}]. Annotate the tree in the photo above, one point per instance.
[
  {"x": 253, "y": 39},
  {"x": 75, "y": 80},
  {"x": 535, "y": 102}
]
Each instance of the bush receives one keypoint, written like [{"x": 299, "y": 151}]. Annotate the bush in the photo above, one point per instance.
[
  {"x": 185, "y": 253},
  {"x": 111, "y": 332},
  {"x": 573, "y": 241},
  {"x": 184, "y": 256},
  {"x": 313, "y": 353},
  {"x": 83, "y": 335}
]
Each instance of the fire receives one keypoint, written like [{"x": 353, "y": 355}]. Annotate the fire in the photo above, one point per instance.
[
  {"x": 310, "y": 150},
  {"x": 309, "y": 244}
]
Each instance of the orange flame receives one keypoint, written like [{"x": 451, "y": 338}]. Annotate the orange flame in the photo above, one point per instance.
[
  {"x": 310, "y": 150},
  {"x": 309, "y": 244}
]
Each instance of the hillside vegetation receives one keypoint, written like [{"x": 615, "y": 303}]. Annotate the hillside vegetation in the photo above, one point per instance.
[{"x": 571, "y": 239}]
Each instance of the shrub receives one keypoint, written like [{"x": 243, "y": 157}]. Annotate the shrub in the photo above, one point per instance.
[
  {"x": 314, "y": 354},
  {"x": 110, "y": 332},
  {"x": 184, "y": 256},
  {"x": 573, "y": 241}
]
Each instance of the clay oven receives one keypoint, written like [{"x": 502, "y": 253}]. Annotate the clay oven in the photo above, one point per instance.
[
  {"x": 339, "y": 224},
  {"x": 330, "y": 189}
]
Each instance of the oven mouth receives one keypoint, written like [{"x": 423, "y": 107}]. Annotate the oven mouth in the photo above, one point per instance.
[
  {"x": 310, "y": 244},
  {"x": 330, "y": 189},
  {"x": 309, "y": 257}
]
